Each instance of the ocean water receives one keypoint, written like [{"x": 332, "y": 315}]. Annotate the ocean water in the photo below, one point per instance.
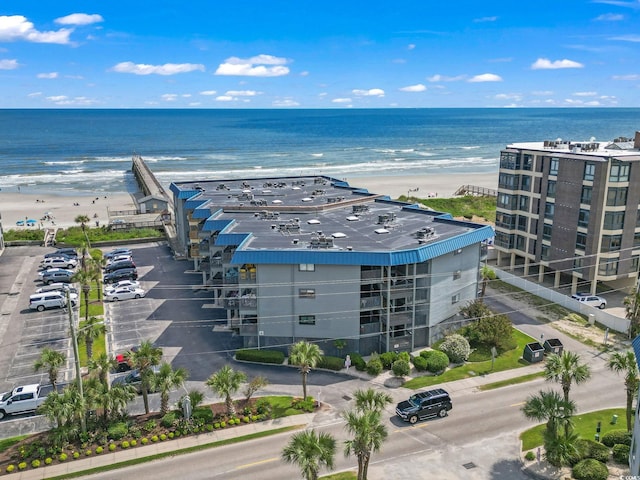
[{"x": 78, "y": 152}]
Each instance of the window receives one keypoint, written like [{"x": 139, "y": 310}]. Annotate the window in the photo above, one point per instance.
[
  {"x": 613, "y": 220},
  {"x": 546, "y": 231},
  {"x": 608, "y": 266},
  {"x": 611, "y": 243},
  {"x": 636, "y": 239},
  {"x": 585, "y": 197},
  {"x": 553, "y": 166},
  {"x": 307, "y": 319},
  {"x": 523, "y": 203},
  {"x": 589, "y": 171},
  {"x": 549, "y": 210},
  {"x": 544, "y": 253},
  {"x": 521, "y": 242},
  {"x": 581, "y": 240},
  {"x": 457, "y": 274},
  {"x": 551, "y": 188},
  {"x": 509, "y": 160},
  {"x": 638, "y": 218},
  {"x": 578, "y": 263},
  {"x": 307, "y": 293},
  {"x": 619, "y": 172},
  {"x": 307, "y": 267},
  {"x": 508, "y": 181},
  {"x": 522, "y": 223},
  {"x": 504, "y": 240},
  {"x": 617, "y": 196},
  {"x": 634, "y": 264},
  {"x": 506, "y": 201},
  {"x": 525, "y": 183},
  {"x": 527, "y": 161},
  {"x": 506, "y": 221},
  {"x": 583, "y": 218},
  {"x": 455, "y": 298}
]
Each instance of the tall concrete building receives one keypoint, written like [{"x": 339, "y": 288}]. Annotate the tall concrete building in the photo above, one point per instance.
[
  {"x": 571, "y": 208},
  {"x": 314, "y": 258}
]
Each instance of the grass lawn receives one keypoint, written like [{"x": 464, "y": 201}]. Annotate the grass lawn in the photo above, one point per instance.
[
  {"x": 341, "y": 476},
  {"x": 511, "y": 381},
  {"x": 506, "y": 361},
  {"x": 469, "y": 205},
  {"x": 9, "y": 442},
  {"x": 584, "y": 425},
  {"x": 281, "y": 406}
]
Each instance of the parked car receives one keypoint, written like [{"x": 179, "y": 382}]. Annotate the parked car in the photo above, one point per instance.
[
  {"x": 118, "y": 265},
  {"x": 59, "y": 262},
  {"x": 120, "y": 284},
  {"x": 118, "y": 251},
  {"x": 25, "y": 398},
  {"x": 591, "y": 300},
  {"x": 67, "y": 252},
  {"x": 122, "y": 274},
  {"x": 124, "y": 293},
  {"x": 119, "y": 258},
  {"x": 60, "y": 287},
  {"x": 424, "y": 405},
  {"x": 134, "y": 379},
  {"x": 56, "y": 276},
  {"x": 123, "y": 360},
  {"x": 42, "y": 301}
]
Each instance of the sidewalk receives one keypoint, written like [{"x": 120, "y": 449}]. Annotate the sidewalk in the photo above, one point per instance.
[{"x": 71, "y": 466}]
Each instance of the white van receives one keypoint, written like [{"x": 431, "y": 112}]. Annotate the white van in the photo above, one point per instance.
[{"x": 40, "y": 301}]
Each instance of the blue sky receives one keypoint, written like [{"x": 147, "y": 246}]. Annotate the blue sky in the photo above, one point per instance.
[{"x": 319, "y": 54}]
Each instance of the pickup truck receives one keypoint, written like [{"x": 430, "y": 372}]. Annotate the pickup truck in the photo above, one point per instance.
[{"x": 23, "y": 399}]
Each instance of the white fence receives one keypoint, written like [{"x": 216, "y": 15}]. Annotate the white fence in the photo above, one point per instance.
[{"x": 612, "y": 322}]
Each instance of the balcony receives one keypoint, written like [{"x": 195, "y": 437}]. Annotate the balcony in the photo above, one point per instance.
[
  {"x": 230, "y": 278},
  {"x": 250, "y": 302},
  {"x": 231, "y": 303},
  {"x": 369, "y": 328},
  {"x": 401, "y": 318},
  {"x": 369, "y": 303},
  {"x": 371, "y": 274},
  {"x": 248, "y": 275},
  {"x": 249, "y": 329}
]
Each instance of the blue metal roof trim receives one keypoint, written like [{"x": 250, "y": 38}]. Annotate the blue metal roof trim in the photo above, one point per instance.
[
  {"x": 174, "y": 188},
  {"x": 194, "y": 203},
  {"x": 636, "y": 349},
  {"x": 186, "y": 194},
  {"x": 232, "y": 239},
  {"x": 201, "y": 212},
  {"x": 343, "y": 257},
  {"x": 213, "y": 225}
]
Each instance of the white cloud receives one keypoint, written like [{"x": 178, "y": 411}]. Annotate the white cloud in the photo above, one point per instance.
[
  {"x": 609, "y": 17},
  {"x": 49, "y": 75},
  {"x": 254, "y": 66},
  {"x": 285, "y": 102},
  {"x": 546, "y": 64},
  {"x": 224, "y": 98},
  {"x": 626, "y": 77},
  {"x": 242, "y": 93},
  {"x": 585, "y": 94},
  {"x": 485, "y": 19},
  {"x": 341, "y": 100},
  {"x": 485, "y": 77},
  {"x": 64, "y": 100},
  {"x": 35, "y": 94},
  {"x": 17, "y": 27},
  {"x": 508, "y": 96},
  {"x": 8, "y": 64},
  {"x": 79, "y": 19},
  {"x": 208, "y": 92},
  {"x": 542, "y": 93},
  {"x": 414, "y": 88},
  {"x": 411, "y": 46},
  {"x": 627, "y": 38},
  {"x": 372, "y": 92},
  {"x": 166, "y": 69},
  {"x": 304, "y": 74},
  {"x": 169, "y": 97},
  {"x": 443, "y": 78}
]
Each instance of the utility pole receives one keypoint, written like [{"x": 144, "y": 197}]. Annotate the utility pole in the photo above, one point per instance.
[{"x": 76, "y": 361}]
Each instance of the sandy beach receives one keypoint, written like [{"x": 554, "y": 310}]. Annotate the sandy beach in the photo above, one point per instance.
[{"x": 61, "y": 210}]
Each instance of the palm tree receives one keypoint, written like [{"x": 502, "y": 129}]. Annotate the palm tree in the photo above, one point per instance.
[
  {"x": 55, "y": 408},
  {"x": 371, "y": 399},
  {"x": 368, "y": 435},
  {"x": 50, "y": 360},
  {"x": 309, "y": 451},
  {"x": 632, "y": 312},
  {"x": 82, "y": 220},
  {"x": 101, "y": 366},
  {"x": 165, "y": 380},
  {"x": 143, "y": 359},
  {"x": 626, "y": 363},
  {"x": 487, "y": 273},
  {"x": 563, "y": 450},
  {"x": 91, "y": 331},
  {"x": 95, "y": 270},
  {"x": 83, "y": 277},
  {"x": 566, "y": 369},
  {"x": 118, "y": 396},
  {"x": 306, "y": 356},
  {"x": 552, "y": 408},
  {"x": 225, "y": 382}
]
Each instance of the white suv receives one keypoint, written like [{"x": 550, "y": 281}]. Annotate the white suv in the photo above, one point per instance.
[
  {"x": 591, "y": 300},
  {"x": 40, "y": 301}
]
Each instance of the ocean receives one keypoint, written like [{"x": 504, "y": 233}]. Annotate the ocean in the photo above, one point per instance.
[{"x": 78, "y": 152}]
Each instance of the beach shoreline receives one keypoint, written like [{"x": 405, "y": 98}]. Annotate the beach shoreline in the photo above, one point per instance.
[{"x": 49, "y": 210}]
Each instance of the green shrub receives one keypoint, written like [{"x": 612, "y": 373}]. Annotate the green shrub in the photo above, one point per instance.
[
  {"x": 420, "y": 363},
  {"x": 22, "y": 465},
  {"x": 144, "y": 440},
  {"x": 48, "y": 461},
  {"x": 387, "y": 359},
  {"x": 530, "y": 456},
  {"x": 154, "y": 438},
  {"x": 168, "y": 420},
  {"x": 231, "y": 421},
  {"x": 592, "y": 449},
  {"x": 307, "y": 405},
  {"x": 613, "y": 437},
  {"x": 88, "y": 453},
  {"x": 358, "y": 362},
  {"x": 76, "y": 455},
  {"x": 621, "y": 453},
  {"x": 216, "y": 425},
  {"x": 118, "y": 430},
  {"x": 205, "y": 414},
  {"x": 437, "y": 361},
  {"x": 401, "y": 368},
  {"x": 246, "y": 419},
  {"x": 99, "y": 450},
  {"x": 112, "y": 447},
  {"x": 149, "y": 425},
  {"x": 62, "y": 457},
  {"x": 254, "y": 418},
  {"x": 125, "y": 444},
  {"x": 261, "y": 356},
  {"x": 374, "y": 366},
  {"x": 331, "y": 363},
  {"x": 209, "y": 428},
  {"x": 35, "y": 463},
  {"x": 11, "y": 468},
  {"x": 163, "y": 437},
  {"x": 590, "y": 469},
  {"x": 133, "y": 443},
  {"x": 223, "y": 424},
  {"x": 456, "y": 347}
]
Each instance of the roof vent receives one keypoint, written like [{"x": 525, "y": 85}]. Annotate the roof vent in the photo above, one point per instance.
[
  {"x": 350, "y": 248},
  {"x": 295, "y": 241}
]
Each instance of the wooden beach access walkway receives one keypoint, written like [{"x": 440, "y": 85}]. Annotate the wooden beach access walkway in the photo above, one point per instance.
[{"x": 476, "y": 190}]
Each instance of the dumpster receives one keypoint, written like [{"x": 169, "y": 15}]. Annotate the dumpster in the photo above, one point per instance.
[
  {"x": 533, "y": 352},
  {"x": 553, "y": 345}
]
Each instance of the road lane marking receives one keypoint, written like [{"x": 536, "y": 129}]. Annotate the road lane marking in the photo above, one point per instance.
[
  {"x": 517, "y": 404},
  {"x": 249, "y": 465}
]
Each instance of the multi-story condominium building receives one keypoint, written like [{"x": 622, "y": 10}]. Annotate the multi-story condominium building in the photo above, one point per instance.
[
  {"x": 571, "y": 208},
  {"x": 313, "y": 258}
]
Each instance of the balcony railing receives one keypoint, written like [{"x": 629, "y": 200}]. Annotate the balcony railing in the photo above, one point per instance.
[
  {"x": 249, "y": 329},
  {"x": 249, "y": 302},
  {"x": 367, "y": 303}
]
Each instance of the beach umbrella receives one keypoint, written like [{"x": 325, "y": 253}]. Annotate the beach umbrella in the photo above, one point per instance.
[
  {"x": 31, "y": 221},
  {"x": 20, "y": 223}
]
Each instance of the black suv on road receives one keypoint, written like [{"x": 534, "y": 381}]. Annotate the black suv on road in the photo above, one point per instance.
[{"x": 425, "y": 404}]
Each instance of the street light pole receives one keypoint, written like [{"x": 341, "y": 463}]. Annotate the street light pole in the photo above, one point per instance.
[{"x": 76, "y": 361}]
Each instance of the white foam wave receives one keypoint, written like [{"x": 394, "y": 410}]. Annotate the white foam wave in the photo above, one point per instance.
[
  {"x": 64, "y": 162},
  {"x": 317, "y": 154},
  {"x": 473, "y": 147}
]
